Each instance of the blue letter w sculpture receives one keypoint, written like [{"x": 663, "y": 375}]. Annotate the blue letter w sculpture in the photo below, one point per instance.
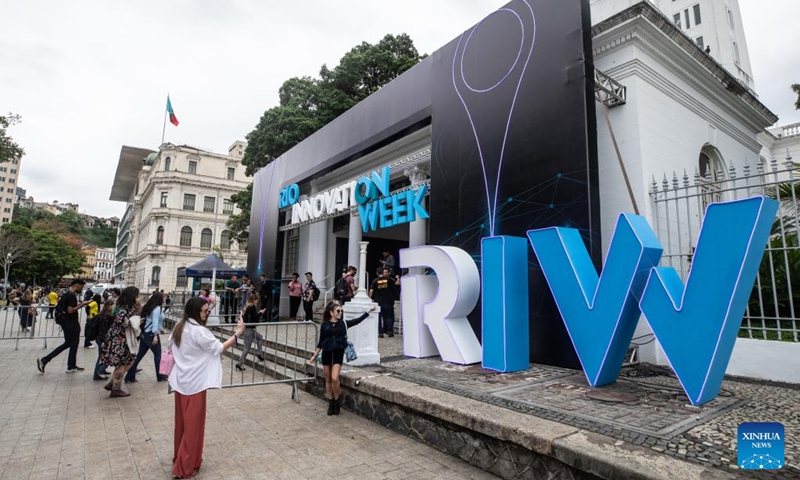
[
  {"x": 697, "y": 325},
  {"x": 600, "y": 314}
]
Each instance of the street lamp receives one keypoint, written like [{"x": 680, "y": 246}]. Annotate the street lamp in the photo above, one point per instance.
[{"x": 9, "y": 258}]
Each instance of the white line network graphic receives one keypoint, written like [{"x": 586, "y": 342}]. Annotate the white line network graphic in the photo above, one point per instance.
[{"x": 760, "y": 462}]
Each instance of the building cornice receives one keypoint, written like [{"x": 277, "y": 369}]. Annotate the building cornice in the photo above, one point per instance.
[{"x": 644, "y": 24}]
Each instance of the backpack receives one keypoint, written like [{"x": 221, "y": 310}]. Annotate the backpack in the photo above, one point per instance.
[
  {"x": 60, "y": 313},
  {"x": 315, "y": 294},
  {"x": 342, "y": 288}
]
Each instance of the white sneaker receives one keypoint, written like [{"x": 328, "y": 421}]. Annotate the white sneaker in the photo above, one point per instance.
[{"x": 90, "y": 346}]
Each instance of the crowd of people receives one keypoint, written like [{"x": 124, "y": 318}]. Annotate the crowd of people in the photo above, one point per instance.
[{"x": 116, "y": 322}]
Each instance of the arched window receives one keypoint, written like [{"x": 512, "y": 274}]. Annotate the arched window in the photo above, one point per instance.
[
  {"x": 186, "y": 237},
  {"x": 181, "y": 281},
  {"x": 225, "y": 240},
  {"x": 167, "y": 164},
  {"x": 205, "y": 238},
  {"x": 712, "y": 175},
  {"x": 155, "y": 277},
  {"x": 160, "y": 236}
]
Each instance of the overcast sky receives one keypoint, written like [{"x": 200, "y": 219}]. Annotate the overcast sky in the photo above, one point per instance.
[{"x": 88, "y": 77}]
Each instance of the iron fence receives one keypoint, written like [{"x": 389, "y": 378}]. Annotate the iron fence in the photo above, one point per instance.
[{"x": 679, "y": 204}]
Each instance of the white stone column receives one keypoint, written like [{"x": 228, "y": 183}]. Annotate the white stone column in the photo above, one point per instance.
[
  {"x": 318, "y": 256},
  {"x": 364, "y": 335},
  {"x": 418, "y": 229},
  {"x": 354, "y": 237}
]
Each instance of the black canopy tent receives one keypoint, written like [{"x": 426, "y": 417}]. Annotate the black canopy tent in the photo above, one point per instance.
[{"x": 213, "y": 267}]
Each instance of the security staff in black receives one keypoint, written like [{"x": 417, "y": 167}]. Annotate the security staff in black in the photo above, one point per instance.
[
  {"x": 332, "y": 342},
  {"x": 382, "y": 292}
]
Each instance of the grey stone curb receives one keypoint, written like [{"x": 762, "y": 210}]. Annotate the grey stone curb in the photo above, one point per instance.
[{"x": 585, "y": 451}]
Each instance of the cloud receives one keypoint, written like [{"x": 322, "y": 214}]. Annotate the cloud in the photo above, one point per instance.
[{"x": 89, "y": 77}]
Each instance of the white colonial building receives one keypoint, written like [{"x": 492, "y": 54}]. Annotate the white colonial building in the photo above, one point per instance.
[
  {"x": 104, "y": 265},
  {"x": 178, "y": 202}
]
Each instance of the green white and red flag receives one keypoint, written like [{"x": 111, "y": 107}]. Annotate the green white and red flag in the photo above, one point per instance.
[{"x": 172, "y": 118}]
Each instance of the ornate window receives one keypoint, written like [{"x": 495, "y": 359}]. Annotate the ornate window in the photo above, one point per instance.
[
  {"x": 205, "y": 238},
  {"x": 167, "y": 164},
  {"x": 155, "y": 277},
  {"x": 160, "y": 236},
  {"x": 225, "y": 240},
  {"x": 227, "y": 206},
  {"x": 209, "y": 204},
  {"x": 186, "y": 237}
]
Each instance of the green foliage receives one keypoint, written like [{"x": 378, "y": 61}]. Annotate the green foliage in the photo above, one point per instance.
[
  {"x": 66, "y": 223},
  {"x": 308, "y": 104},
  {"x": 9, "y": 149},
  {"x": 776, "y": 289},
  {"x": 796, "y": 90},
  {"x": 101, "y": 236},
  {"x": 52, "y": 258},
  {"x": 26, "y": 217}
]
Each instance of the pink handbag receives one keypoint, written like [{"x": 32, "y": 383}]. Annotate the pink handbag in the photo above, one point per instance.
[{"x": 167, "y": 361}]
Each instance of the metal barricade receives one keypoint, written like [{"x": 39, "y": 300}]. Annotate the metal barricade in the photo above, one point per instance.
[
  {"x": 285, "y": 348},
  {"x": 37, "y": 327}
]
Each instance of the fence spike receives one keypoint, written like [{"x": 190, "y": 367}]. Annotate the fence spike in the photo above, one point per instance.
[
  {"x": 674, "y": 180},
  {"x": 685, "y": 179},
  {"x": 665, "y": 183},
  {"x": 732, "y": 171},
  {"x": 746, "y": 169},
  {"x": 774, "y": 164},
  {"x": 696, "y": 176},
  {"x": 654, "y": 185}
]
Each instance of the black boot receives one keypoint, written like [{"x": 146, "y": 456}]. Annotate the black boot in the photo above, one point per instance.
[
  {"x": 331, "y": 406},
  {"x": 336, "y": 406}
]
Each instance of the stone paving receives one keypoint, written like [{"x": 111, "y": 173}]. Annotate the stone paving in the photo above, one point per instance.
[{"x": 64, "y": 426}]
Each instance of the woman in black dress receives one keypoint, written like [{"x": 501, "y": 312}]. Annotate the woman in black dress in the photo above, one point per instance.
[{"x": 332, "y": 342}]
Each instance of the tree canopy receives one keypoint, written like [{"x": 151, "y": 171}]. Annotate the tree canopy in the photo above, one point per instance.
[
  {"x": 307, "y": 104},
  {"x": 796, "y": 90},
  {"x": 54, "y": 243},
  {"x": 9, "y": 149}
]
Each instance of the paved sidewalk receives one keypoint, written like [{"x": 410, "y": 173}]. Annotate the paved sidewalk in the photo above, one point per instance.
[{"x": 64, "y": 426}]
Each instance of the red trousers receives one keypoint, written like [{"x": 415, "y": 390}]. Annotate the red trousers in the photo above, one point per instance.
[{"x": 190, "y": 427}]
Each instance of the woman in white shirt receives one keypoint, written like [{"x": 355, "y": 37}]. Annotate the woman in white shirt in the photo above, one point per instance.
[{"x": 198, "y": 367}]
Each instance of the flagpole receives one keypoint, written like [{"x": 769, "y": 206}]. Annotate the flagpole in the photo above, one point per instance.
[{"x": 164, "y": 128}]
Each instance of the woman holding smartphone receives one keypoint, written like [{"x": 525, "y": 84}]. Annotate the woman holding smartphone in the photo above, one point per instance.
[{"x": 332, "y": 342}]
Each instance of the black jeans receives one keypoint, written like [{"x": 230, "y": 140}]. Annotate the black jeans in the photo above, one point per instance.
[
  {"x": 386, "y": 320},
  {"x": 294, "y": 306},
  {"x": 145, "y": 344},
  {"x": 230, "y": 307},
  {"x": 86, "y": 342},
  {"x": 308, "y": 307},
  {"x": 72, "y": 338}
]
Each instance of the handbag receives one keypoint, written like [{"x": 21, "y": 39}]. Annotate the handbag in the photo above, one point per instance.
[
  {"x": 132, "y": 332},
  {"x": 167, "y": 361},
  {"x": 350, "y": 350}
]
